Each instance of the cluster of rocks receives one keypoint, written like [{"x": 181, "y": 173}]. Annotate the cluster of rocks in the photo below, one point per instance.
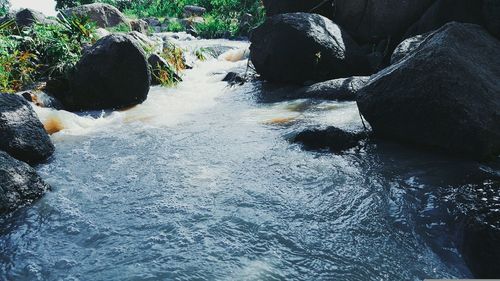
[
  {"x": 423, "y": 72},
  {"x": 23, "y": 142},
  {"x": 427, "y": 72}
]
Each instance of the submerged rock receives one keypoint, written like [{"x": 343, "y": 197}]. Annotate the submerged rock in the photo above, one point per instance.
[
  {"x": 104, "y": 15},
  {"x": 19, "y": 184},
  {"x": 234, "y": 78},
  {"x": 342, "y": 89},
  {"x": 444, "y": 95},
  {"x": 299, "y": 47},
  {"x": 21, "y": 133},
  {"x": 114, "y": 73},
  {"x": 331, "y": 138}
]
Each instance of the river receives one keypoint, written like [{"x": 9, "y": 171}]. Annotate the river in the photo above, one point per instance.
[{"x": 200, "y": 182}]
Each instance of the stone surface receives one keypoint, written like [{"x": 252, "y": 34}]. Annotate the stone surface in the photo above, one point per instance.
[
  {"x": 114, "y": 73},
  {"x": 104, "y": 15},
  {"x": 444, "y": 95},
  {"x": 19, "y": 184},
  {"x": 300, "y": 47},
  {"x": 21, "y": 133}
]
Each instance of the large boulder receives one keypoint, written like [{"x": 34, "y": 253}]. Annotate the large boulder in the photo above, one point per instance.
[
  {"x": 113, "y": 73},
  {"x": 104, "y": 15},
  {"x": 21, "y": 133},
  {"x": 372, "y": 20},
  {"x": 483, "y": 12},
  {"x": 445, "y": 94},
  {"x": 28, "y": 17},
  {"x": 322, "y": 7},
  {"x": 19, "y": 184},
  {"x": 300, "y": 47},
  {"x": 140, "y": 26},
  {"x": 367, "y": 21}
]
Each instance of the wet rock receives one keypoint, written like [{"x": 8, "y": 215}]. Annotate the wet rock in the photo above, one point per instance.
[
  {"x": 445, "y": 95},
  {"x": 114, "y": 73},
  {"x": 299, "y": 47},
  {"x": 481, "y": 247},
  {"x": 19, "y": 184},
  {"x": 331, "y": 138},
  {"x": 159, "y": 66},
  {"x": 139, "y": 26},
  {"x": 193, "y": 11},
  {"x": 343, "y": 89},
  {"x": 406, "y": 47},
  {"x": 234, "y": 78},
  {"x": 21, "y": 133},
  {"x": 104, "y": 15},
  {"x": 28, "y": 17}
]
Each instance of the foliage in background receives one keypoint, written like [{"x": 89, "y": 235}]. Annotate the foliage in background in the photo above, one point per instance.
[
  {"x": 41, "y": 51},
  {"x": 224, "y": 18},
  {"x": 4, "y": 7}
]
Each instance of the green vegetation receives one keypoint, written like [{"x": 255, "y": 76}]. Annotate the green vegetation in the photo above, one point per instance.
[
  {"x": 224, "y": 18},
  {"x": 122, "y": 27},
  {"x": 40, "y": 52},
  {"x": 4, "y": 7}
]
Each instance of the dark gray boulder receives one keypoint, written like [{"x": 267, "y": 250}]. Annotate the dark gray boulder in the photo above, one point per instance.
[
  {"x": 480, "y": 246},
  {"x": 342, "y": 89},
  {"x": 331, "y": 138},
  {"x": 104, "y": 15},
  {"x": 367, "y": 21},
  {"x": 28, "y": 17},
  {"x": 373, "y": 20},
  {"x": 406, "y": 47},
  {"x": 19, "y": 184},
  {"x": 482, "y": 12},
  {"x": 445, "y": 94},
  {"x": 300, "y": 47},
  {"x": 21, "y": 133},
  {"x": 114, "y": 73}
]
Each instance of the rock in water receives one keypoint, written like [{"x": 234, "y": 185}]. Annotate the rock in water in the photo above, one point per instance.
[
  {"x": 331, "y": 138},
  {"x": 113, "y": 73},
  {"x": 19, "y": 184},
  {"x": 342, "y": 89},
  {"x": 300, "y": 47},
  {"x": 21, "y": 133},
  {"x": 104, "y": 15},
  {"x": 445, "y": 94}
]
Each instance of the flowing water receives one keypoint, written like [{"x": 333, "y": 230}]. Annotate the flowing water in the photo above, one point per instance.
[{"x": 201, "y": 183}]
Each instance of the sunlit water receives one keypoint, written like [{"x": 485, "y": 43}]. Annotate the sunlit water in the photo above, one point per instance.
[{"x": 201, "y": 183}]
